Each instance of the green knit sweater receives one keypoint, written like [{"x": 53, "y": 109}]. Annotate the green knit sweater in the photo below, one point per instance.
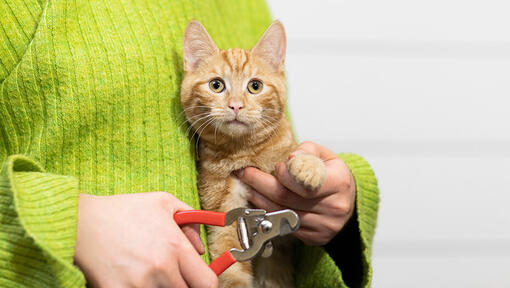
[{"x": 90, "y": 90}]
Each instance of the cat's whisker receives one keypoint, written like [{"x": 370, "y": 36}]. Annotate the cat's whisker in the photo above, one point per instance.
[
  {"x": 275, "y": 118},
  {"x": 197, "y": 140},
  {"x": 271, "y": 134},
  {"x": 267, "y": 121},
  {"x": 273, "y": 131},
  {"x": 271, "y": 109},
  {"x": 198, "y": 115},
  {"x": 201, "y": 114},
  {"x": 203, "y": 129},
  {"x": 195, "y": 115},
  {"x": 269, "y": 117},
  {"x": 191, "y": 125},
  {"x": 199, "y": 133},
  {"x": 207, "y": 122},
  {"x": 215, "y": 129},
  {"x": 189, "y": 108},
  {"x": 263, "y": 122},
  {"x": 193, "y": 107},
  {"x": 191, "y": 118}
]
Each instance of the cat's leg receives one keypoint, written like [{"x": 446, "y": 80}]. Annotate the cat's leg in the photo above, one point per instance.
[
  {"x": 308, "y": 170},
  {"x": 276, "y": 271},
  {"x": 222, "y": 239}
]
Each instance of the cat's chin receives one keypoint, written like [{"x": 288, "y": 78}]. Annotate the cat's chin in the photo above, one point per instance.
[
  {"x": 236, "y": 122},
  {"x": 236, "y": 128}
]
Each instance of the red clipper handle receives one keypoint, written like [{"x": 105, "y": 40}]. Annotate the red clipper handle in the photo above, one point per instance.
[
  {"x": 200, "y": 217},
  {"x": 208, "y": 218},
  {"x": 222, "y": 263}
]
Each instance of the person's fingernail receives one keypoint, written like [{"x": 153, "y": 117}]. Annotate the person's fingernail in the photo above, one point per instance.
[
  {"x": 297, "y": 152},
  {"x": 239, "y": 173}
]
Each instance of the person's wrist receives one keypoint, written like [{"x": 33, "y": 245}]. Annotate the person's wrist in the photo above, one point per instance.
[{"x": 84, "y": 204}]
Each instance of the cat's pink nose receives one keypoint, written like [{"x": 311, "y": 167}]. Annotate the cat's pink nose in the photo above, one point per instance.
[{"x": 236, "y": 107}]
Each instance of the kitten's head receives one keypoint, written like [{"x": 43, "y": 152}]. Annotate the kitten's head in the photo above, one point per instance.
[{"x": 233, "y": 94}]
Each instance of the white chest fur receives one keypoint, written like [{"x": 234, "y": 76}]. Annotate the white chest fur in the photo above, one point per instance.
[{"x": 237, "y": 194}]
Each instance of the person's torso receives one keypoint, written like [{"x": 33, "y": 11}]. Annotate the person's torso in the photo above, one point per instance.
[{"x": 96, "y": 93}]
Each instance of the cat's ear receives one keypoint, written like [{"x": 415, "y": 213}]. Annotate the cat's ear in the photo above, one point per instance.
[
  {"x": 197, "y": 45},
  {"x": 271, "y": 46}
]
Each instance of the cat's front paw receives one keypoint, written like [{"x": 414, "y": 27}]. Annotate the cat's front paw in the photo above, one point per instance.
[{"x": 308, "y": 170}]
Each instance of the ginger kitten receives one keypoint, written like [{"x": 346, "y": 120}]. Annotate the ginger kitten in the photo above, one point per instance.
[{"x": 234, "y": 99}]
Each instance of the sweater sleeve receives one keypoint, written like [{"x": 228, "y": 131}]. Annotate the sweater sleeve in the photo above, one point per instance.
[
  {"x": 38, "y": 217},
  {"x": 38, "y": 210},
  {"x": 345, "y": 261}
]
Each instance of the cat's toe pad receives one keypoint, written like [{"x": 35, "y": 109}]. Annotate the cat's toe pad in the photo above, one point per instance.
[{"x": 308, "y": 170}]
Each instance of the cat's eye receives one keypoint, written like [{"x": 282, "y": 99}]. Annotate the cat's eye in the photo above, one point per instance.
[
  {"x": 255, "y": 86},
  {"x": 217, "y": 85}
]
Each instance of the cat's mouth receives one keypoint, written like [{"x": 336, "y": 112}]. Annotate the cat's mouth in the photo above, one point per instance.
[{"x": 236, "y": 122}]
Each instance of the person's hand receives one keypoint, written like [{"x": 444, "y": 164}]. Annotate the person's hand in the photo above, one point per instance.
[
  {"x": 323, "y": 212},
  {"x": 131, "y": 240}
]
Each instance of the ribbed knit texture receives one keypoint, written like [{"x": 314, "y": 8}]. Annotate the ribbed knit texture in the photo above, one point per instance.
[
  {"x": 38, "y": 226},
  {"x": 367, "y": 203},
  {"x": 90, "y": 90}
]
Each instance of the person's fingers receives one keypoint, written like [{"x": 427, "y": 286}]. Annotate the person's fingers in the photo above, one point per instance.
[
  {"x": 315, "y": 229},
  {"x": 284, "y": 177},
  {"x": 172, "y": 277},
  {"x": 186, "y": 255},
  {"x": 257, "y": 179},
  {"x": 310, "y": 237},
  {"x": 308, "y": 220},
  {"x": 272, "y": 189},
  {"x": 303, "y": 233},
  {"x": 192, "y": 232},
  {"x": 319, "y": 229},
  {"x": 259, "y": 201},
  {"x": 318, "y": 222},
  {"x": 194, "y": 270},
  {"x": 315, "y": 149},
  {"x": 176, "y": 204},
  {"x": 339, "y": 176},
  {"x": 330, "y": 184},
  {"x": 264, "y": 183}
]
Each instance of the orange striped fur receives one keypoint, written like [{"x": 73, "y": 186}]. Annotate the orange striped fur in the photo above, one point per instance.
[{"x": 259, "y": 136}]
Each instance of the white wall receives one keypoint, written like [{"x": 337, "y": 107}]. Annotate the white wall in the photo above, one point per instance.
[{"x": 422, "y": 90}]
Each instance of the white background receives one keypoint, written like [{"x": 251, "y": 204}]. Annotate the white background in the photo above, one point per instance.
[{"x": 421, "y": 89}]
